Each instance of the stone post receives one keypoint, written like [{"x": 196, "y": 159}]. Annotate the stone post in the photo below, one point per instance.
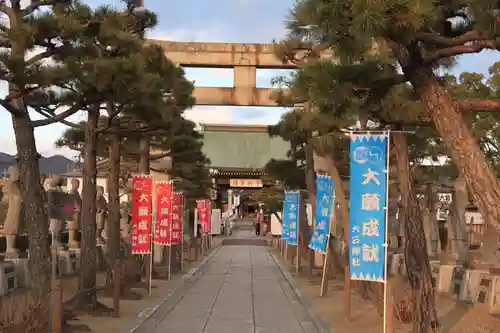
[{"x": 11, "y": 223}]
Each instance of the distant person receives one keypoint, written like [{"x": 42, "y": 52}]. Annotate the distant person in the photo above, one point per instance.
[
  {"x": 199, "y": 231},
  {"x": 257, "y": 225}
]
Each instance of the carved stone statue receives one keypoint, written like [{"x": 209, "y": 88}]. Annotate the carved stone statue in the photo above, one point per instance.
[
  {"x": 124, "y": 222},
  {"x": 101, "y": 215},
  {"x": 75, "y": 224},
  {"x": 14, "y": 210},
  {"x": 55, "y": 226}
]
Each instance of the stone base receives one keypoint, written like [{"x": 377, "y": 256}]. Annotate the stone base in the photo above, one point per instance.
[
  {"x": 450, "y": 279},
  {"x": 21, "y": 267},
  {"x": 435, "y": 268},
  {"x": 74, "y": 246},
  {"x": 470, "y": 284},
  {"x": 68, "y": 262},
  {"x": 159, "y": 254},
  {"x": 8, "y": 278},
  {"x": 12, "y": 255},
  {"x": 396, "y": 264}
]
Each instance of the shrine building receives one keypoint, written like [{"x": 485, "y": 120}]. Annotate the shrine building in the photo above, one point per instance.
[{"x": 238, "y": 155}]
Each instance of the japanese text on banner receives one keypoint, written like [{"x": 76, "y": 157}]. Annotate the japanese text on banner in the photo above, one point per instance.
[
  {"x": 291, "y": 217},
  {"x": 204, "y": 212},
  {"x": 368, "y": 202},
  {"x": 325, "y": 196},
  {"x": 142, "y": 186},
  {"x": 163, "y": 212},
  {"x": 177, "y": 207}
]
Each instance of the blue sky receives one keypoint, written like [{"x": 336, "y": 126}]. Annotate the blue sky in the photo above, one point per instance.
[{"x": 248, "y": 21}]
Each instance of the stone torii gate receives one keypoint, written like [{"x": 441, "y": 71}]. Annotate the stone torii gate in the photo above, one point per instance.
[{"x": 243, "y": 58}]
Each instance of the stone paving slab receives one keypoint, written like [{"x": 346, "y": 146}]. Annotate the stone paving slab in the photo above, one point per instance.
[{"x": 241, "y": 289}]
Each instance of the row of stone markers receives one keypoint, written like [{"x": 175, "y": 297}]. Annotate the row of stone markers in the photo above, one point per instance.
[
  {"x": 373, "y": 234},
  {"x": 154, "y": 218}
]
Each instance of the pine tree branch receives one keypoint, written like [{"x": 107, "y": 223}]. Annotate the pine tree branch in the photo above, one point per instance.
[
  {"x": 57, "y": 118},
  {"x": 477, "y": 104},
  {"x": 457, "y": 50},
  {"x": 442, "y": 41},
  {"x": 50, "y": 51}
]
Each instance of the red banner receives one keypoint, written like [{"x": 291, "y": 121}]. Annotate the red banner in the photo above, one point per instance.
[
  {"x": 163, "y": 212},
  {"x": 177, "y": 218},
  {"x": 142, "y": 186},
  {"x": 204, "y": 211}
]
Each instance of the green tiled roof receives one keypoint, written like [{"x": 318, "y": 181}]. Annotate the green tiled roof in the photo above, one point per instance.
[{"x": 242, "y": 150}]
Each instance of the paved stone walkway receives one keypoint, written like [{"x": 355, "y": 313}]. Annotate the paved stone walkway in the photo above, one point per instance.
[{"x": 242, "y": 290}]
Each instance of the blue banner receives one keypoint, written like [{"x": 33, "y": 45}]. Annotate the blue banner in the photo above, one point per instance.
[
  {"x": 369, "y": 176},
  {"x": 325, "y": 196},
  {"x": 290, "y": 226}
]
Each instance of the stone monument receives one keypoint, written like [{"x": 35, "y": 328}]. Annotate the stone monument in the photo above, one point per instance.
[
  {"x": 75, "y": 224},
  {"x": 394, "y": 223},
  {"x": 124, "y": 222},
  {"x": 457, "y": 226},
  {"x": 101, "y": 212},
  {"x": 14, "y": 211},
  {"x": 55, "y": 225},
  {"x": 430, "y": 213}
]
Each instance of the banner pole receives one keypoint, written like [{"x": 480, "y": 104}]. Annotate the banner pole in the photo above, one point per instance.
[
  {"x": 182, "y": 232},
  {"x": 172, "y": 202},
  {"x": 297, "y": 230},
  {"x": 386, "y": 227},
  {"x": 324, "y": 280},
  {"x": 150, "y": 275}
]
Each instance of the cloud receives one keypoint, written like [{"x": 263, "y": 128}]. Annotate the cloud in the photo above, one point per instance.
[
  {"x": 189, "y": 35},
  {"x": 209, "y": 114},
  {"x": 234, "y": 115}
]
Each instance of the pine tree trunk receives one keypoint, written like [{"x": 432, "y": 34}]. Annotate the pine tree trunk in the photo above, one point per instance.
[
  {"x": 88, "y": 296},
  {"x": 342, "y": 261},
  {"x": 462, "y": 146},
  {"x": 144, "y": 155},
  {"x": 113, "y": 242},
  {"x": 311, "y": 189},
  {"x": 144, "y": 169},
  {"x": 32, "y": 192},
  {"x": 35, "y": 217},
  {"x": 417, "y": 260}
]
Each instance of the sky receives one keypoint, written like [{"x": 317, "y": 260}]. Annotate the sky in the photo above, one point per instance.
[{"x": 238, "y": 21}]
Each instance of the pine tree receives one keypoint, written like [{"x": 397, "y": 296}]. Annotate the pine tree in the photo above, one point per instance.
[
  {"x": 149, "y": 105},
  {"x": 339, "y": 95},
  {"x": 420, "y": 36},
  {"x": 103, "y": 66},
  {"x": 52, "y": 29}
]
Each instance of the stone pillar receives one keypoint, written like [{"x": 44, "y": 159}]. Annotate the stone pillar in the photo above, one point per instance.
[
  {"x": 14, "y": 211},
  {"x": 245, "y": 79},
  {"x": 75, "y": 224},
  {"x": 432, "y": 208},
  {"x": 460, "y": 239}
]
